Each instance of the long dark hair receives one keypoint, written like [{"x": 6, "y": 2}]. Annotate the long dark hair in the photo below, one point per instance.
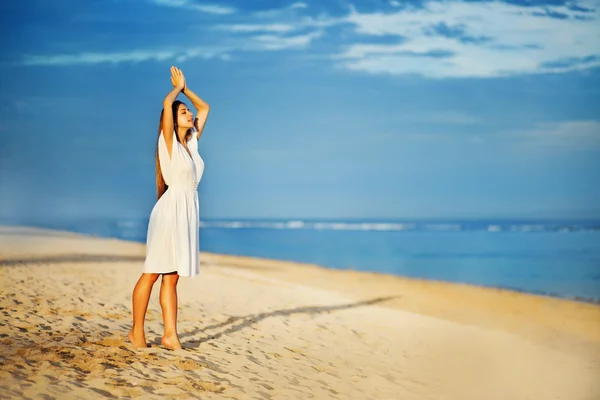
[{"x": 161, "y": 186}]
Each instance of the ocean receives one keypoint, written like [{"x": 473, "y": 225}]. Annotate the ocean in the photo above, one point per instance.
[{"x": 555, "y": 258}]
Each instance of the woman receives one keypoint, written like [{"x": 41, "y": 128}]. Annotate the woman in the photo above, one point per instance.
[{"x": 172, "y": 248}]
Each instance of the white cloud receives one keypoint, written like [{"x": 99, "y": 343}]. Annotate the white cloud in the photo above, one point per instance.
[
  {"x": 441, "y": 39},
  {"x": 276, "y": 12},
  {"x": 280, "y": 25},
  {"x": 204, "y": 53},
  {"x": 249, "y": 28},
  {"x": 299, "y": 5},
  {"x": 501, "y": 39},
  {"x": 265, "y": 42},
  {"x": 123, "y": 57},
  {"x": 191, "y": 5},
  {"x": 273, "y": 42}
]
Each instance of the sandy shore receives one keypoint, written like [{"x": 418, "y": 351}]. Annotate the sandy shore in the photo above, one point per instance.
[{"x": 260, "y": 329}]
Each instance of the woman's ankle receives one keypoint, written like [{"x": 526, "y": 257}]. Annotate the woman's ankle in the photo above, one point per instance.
[{"x": 170, "y": 334}]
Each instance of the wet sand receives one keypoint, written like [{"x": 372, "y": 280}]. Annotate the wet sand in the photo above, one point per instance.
[{"x": 263, "y": 329}]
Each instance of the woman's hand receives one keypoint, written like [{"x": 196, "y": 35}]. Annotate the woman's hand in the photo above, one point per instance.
[{"x": 177, "y": 78}]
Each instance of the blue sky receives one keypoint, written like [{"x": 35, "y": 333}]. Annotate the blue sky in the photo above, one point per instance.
[{"x": 339, "y": 109}]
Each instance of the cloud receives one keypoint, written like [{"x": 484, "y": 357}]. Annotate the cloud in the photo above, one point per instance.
[
  {"x": 486, "y": 39},
  {"x": 247, "y": 35},
  {"x": 273, "y": 42},
  {"x": 565, "y": 135},
  {"x": 191, "y": 5},
  {"x": 122, "y": 57},
  {"x": 434, "y": 39},
  {"x": 299, "y": 4},
  {"x": 584, "y": 132},
  {"x": 275, "y": 12},
  {"x": 265, "y": 42},
  {"x": 250, "y": 28},
  {"x": 570, "y": 62}
]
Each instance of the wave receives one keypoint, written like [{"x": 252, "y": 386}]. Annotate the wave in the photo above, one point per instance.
[
  {"x": 136, "y": 228},
  {"x": 404, "y": 226}
]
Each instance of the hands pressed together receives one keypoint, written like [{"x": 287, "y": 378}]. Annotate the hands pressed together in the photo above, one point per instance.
[{"x": 177, "y": 78}]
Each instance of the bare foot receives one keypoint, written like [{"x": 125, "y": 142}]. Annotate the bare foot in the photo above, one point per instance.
[
  {"x": 137, "y": 340},
  {"x": 171, "y": 342}
]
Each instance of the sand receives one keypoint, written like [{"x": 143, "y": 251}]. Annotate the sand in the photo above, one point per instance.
[{"x": 263, "y": 329}]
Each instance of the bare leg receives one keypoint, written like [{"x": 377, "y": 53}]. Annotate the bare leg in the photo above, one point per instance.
[
  {"x": 140, "y": 299},
  {"x": 168, "y": 303}
]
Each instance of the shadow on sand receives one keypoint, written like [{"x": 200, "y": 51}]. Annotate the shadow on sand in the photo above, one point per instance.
[{"x": 235, "y": 324}]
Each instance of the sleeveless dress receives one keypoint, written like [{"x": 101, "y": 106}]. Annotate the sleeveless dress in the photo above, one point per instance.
[{"x": 172, "y": 240}]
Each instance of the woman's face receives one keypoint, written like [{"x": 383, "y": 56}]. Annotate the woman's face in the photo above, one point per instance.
[{"x": 185, "y": 118}]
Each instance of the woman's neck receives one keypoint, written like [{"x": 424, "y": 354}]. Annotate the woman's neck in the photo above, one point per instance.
[{"x": 182, "y": 133}]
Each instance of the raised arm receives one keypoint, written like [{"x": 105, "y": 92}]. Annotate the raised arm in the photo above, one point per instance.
[
  {"x": 168, "y": 125},
  {"x": 202, "y": 107}
]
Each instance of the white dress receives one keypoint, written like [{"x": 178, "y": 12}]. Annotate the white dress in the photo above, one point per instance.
[{"x": 172, "y": 240}]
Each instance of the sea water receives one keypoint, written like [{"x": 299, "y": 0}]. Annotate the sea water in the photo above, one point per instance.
[{"x": 558, "y": 258}]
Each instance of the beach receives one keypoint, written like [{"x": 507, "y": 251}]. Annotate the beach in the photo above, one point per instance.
[{"x": 263, "y": 329}]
